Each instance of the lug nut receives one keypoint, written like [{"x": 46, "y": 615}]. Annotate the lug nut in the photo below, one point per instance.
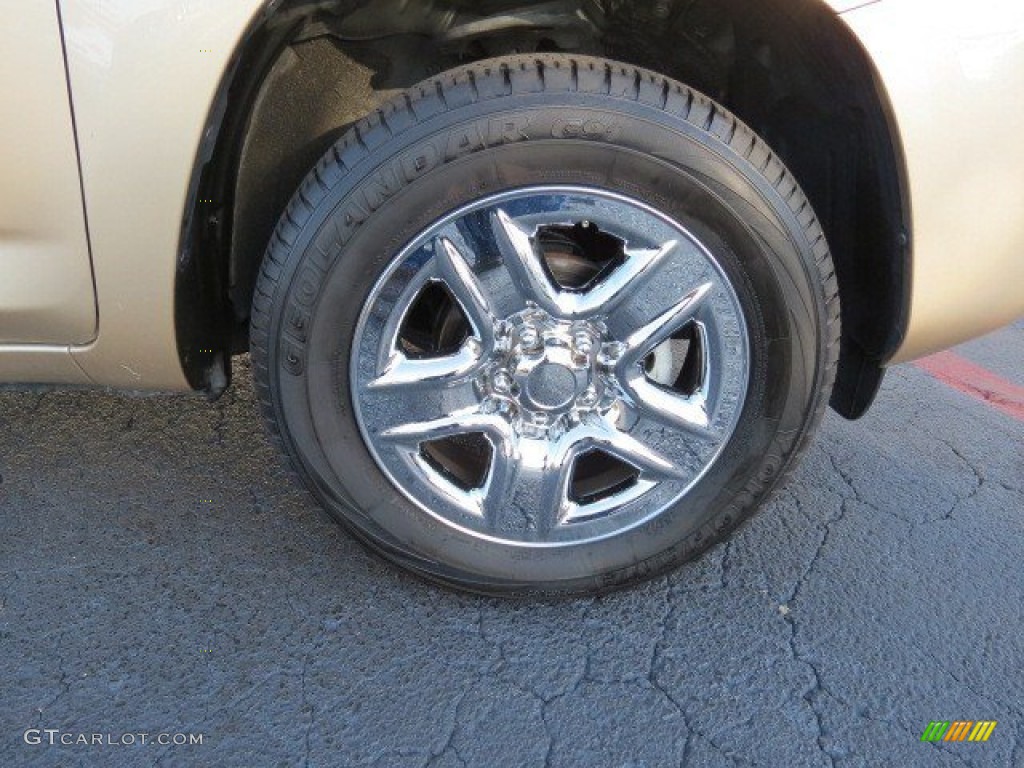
[
  {"x": 611, "y": 353},
  {"x": 583, "y": 345},
  {"x": 589, "y": 397},
  {"x": 503, "y": 338},
  {"x": 529, "y": 337},
  {"x": 502, "y": 382}
]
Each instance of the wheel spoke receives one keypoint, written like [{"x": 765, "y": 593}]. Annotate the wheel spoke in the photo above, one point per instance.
[
  {"x": 528, "y": 483},
  {"x": 410, "y": 439},
  {"x": 431, "y": 373},
  {"x": 532, "y": 489},
  {"x": 531, "y": 275},
  {"x": 525, "y": 263},
  {"x": 617, "y": 286},
  {"x": 643, "y": 341},
  {"x": 467, "y": 290},
  {"x": 447, "y": 370},
  {"x": 413, "y": 434},
  {"x": 497, "y": 492},
  {"x": 689, "y": 413},
  {"x": 597, "y": 432},
  {"x": 581, "y": 512}
]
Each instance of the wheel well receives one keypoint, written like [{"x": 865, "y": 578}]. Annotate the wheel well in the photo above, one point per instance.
[{"x": 306, "y": 70}]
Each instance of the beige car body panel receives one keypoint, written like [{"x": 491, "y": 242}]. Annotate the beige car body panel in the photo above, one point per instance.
[
  {"x": 144, "y": 74},
  {"x": 46, "y": 289},
  {"x": 954, "y": 72}
]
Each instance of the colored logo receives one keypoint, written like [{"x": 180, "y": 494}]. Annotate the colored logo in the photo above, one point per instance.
[{"x": 958, "y": 730}]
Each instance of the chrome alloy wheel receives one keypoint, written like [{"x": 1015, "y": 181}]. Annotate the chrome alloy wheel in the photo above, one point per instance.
[{"x": 550, "y": 366}]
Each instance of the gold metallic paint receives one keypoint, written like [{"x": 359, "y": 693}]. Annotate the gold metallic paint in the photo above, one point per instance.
[
  {"x": 954, "y": 73},
  {"x": 46, "y": 289}
]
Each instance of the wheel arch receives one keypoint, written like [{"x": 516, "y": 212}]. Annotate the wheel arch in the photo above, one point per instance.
[{"x": 791, "y": 69}]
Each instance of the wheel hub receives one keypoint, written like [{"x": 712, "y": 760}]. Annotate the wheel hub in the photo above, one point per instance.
[
  {"x": 547, "y": 375},
  {"x": 551, "y": 386}
]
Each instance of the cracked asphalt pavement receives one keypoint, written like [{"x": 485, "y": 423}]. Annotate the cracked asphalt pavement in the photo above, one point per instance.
[{"x": 159, "y": 573}]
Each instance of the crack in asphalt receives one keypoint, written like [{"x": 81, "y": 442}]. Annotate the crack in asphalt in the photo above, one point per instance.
[
  {"x": 449, "y": 739},
  {"x": 811, "y": 696},
  {"x": 652, "y": 679},
  {"x": 9, "y": 580},
  {"x": 979, "y": 478},
  {"x": 546, "y": 702},
  {"x": 481, "y": 677},
  {"x": 549, "y": 730},
  {"x": 1008, "y": 487},
  {"x": 850, "y": 482},
  {"x": 65, "y": 686}
]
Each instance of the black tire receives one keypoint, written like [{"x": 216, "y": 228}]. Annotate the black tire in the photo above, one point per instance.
[{"x": 499, "y": 125}]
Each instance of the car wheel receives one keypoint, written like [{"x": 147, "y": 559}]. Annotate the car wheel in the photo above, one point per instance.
[{"x": 545, "y": 325}]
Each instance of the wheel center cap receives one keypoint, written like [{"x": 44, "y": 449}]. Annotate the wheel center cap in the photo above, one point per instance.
[{"x": 551, "y": 385}]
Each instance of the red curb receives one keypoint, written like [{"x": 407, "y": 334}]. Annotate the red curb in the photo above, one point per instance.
[{"x": 973, "y": 380}]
